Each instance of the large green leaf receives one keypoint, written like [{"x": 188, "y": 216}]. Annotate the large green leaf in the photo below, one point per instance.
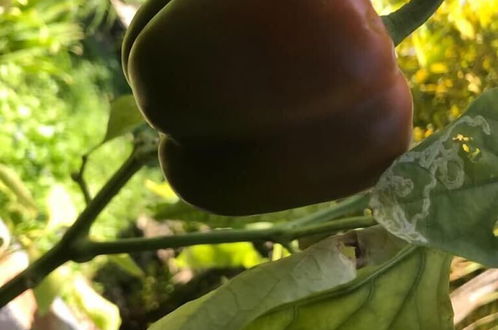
[
  {"x": 444, "y": 193},
  {"x": 408, "y": 292},
  {"x": 264, "y": 287}
]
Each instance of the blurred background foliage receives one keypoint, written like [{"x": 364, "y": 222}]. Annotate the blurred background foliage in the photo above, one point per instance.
[
  {"x": 59, "y": 72},
  {"x": 449, "y": 61}
]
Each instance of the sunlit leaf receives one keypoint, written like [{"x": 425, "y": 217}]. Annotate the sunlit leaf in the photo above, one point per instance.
[
  {"x": 103, "y": 313},
  {"x": 444, "y": 192},
  {"x": 12, "y": 181},
  {"x": 61, "y": 209},
  {"x": 124, "y": 117},
  {"x": 126, "y": 263},
  {"x": 409, "y": 292},
  {"x": 51, "y": 287},
  {"x": 262, "y": 288},
  {"x": 240, "y": 254},
  {"x": 163, "y": 190}
]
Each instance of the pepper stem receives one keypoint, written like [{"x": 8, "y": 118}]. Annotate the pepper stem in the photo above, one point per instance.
[{"x": 402, "y": 22}]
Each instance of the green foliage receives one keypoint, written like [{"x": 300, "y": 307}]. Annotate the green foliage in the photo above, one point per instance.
[
  {"x": 399, "y": 287},
  {"x": 52, "y": 94},
  {"x": 126, "y": 263},
  {"x": 103, "y": 313},
  {"x": 11, "y": 181},
  {"x": 450, "y": 61},
  {"x": 51, "y": 97},
  {"x": 124, "y": 117},
  {"x": 131, "y": 201},
  {"x": 48, "y": 290},
  {"x": 46, "y": 93},
  {"x": 443, "y": 192},
  {"x": 409, "y": 292},
  {"x": 219, "y": 256},
  {"x": 254, "y": 292}
]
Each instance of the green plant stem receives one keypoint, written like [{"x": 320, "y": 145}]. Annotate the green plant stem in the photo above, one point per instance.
[
  {"x": 401, "y": 23},
  {"x": 79, "y": 178},
  {"x": 275, "y": 234},
  {"x": 33, "y": 275},
  {"x": 69, "y": 246},
  {"x": 85, "y": 220},
  {"x": 347, "y": 206},
  {"x": 76, "y": 246}
]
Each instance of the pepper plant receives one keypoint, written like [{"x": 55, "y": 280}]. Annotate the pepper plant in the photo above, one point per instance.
[{"x": 382, "y": 257}]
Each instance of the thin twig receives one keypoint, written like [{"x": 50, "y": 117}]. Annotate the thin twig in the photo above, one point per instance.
[{"x": 79, "y": 178}]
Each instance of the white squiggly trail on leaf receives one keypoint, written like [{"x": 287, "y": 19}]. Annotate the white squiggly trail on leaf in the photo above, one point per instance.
[{"x": 443, "y": 163}]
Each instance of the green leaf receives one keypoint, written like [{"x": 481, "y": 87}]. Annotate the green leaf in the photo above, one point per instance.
[
  {"x": 204, "y": 256},
  {"x": 60, "y": 207},
  {"x": 124, "y": 117},
  {"x": 444, "y": 192},
  {"x": 12, "y": 181},
  {"x": 409, "y": 292},
  {"x": 126, "y": 263},
  {"x": 102, "y": 312},
  {"x": 262, "y": 288},
  {"x": 376, "y": 245}
]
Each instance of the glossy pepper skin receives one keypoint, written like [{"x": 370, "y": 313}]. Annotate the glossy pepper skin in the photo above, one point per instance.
[{"x": 268, "y": 104}]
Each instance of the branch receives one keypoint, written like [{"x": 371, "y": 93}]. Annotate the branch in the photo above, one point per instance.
[
  {"x": 79, "y": 178},
  {"x": 68, "y": 247},
  {"x": 33, "y": 275},
  {"x": 76, "y": 246},
  {"x": 275, "y": 234},
  {"x": 401, "y": 23},
  {"x": 85, "y": 220}
]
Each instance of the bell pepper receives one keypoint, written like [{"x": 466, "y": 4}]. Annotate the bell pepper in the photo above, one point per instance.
[{"x": 266, "y": 105}]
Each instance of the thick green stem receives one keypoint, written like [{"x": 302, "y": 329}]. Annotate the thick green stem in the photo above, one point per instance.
[
  {"x": 33, "y": 275},
  {"x": 408, "y": 18},
  {"x": 275, "y": 234}
]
